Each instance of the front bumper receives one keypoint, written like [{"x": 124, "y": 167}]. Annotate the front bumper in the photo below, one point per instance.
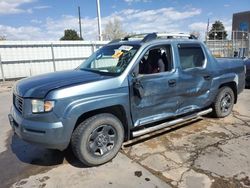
[{"x": 49, "y": 135}]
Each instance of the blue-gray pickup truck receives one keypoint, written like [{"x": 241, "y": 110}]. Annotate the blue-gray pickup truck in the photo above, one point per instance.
[{"x": 122, "y": 91}]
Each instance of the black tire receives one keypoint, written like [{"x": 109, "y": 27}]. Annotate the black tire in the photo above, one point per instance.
[
  {"x": 224, "y": 102},
  {"x": 98, "y": 139}
]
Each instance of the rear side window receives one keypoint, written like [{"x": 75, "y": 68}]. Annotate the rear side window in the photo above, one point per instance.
[{"x": 191, "y": 56}]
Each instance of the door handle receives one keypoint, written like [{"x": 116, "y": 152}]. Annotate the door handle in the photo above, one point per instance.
[
  {"x": 207, "y": 77},
  {"x": 172, "y": 83}
]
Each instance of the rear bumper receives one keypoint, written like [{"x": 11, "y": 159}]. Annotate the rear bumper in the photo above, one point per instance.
[{"x": 49, "y": 135}]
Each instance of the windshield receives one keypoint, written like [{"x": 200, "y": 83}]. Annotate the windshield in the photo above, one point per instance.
[{"x": 110, "y": 59}]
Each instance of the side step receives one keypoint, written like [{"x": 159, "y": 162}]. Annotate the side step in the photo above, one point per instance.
[{"x": 170, "y": 123}]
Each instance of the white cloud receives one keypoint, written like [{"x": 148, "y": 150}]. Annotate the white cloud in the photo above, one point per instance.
[
  {"x": 200, "y": 27},
  {"x": 35, "y": 21},
  {"x": 12, "y": 6},
  {"x": 42, "y": 7},
  {"x": 23, "y": 33},
  {"x": 164, "y": 19},
  {"x": 136, "y": 1},
  {"x": 133, "y": 20}
]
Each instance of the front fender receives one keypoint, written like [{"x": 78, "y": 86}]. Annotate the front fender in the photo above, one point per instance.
[{"x": 97, "y": 101}]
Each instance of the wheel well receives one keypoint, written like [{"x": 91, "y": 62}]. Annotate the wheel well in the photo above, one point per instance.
[
  {"x": 233, "y": 86},
  {"x": 116, "y": 110}
]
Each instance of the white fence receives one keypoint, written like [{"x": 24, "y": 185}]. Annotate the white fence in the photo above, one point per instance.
[{"x": 26, "y": 58}]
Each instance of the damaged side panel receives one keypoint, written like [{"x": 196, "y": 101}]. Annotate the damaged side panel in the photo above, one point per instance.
[{"x": 153, "y": 97}]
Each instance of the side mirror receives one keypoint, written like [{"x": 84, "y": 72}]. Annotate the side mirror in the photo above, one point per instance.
[{"x": 99, "y": 56}]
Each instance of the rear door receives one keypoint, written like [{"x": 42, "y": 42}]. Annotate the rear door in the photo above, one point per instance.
[{"x": 195, "y": 78}]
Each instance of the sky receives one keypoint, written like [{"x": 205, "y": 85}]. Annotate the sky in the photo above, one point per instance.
[{"x": 47, "y": 19}]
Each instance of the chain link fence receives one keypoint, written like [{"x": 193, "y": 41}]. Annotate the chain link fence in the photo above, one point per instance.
[{"x": 237, "y": 46}]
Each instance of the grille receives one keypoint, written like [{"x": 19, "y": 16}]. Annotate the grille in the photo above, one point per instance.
[{"x": 18, "y": 103}]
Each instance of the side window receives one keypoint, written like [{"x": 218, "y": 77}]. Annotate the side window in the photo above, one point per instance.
[
  {"x": 156, "y": 60},
  {"x": 191, "y": 56}
]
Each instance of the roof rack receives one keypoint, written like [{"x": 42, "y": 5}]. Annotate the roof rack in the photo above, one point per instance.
[{"x": 146, "y": 37}]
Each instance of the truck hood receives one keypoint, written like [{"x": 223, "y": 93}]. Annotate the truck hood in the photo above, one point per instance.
[{"x": 39, "y": 86}]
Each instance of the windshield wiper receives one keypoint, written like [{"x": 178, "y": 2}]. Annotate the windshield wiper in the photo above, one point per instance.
[{"x": 100, "y": 72}]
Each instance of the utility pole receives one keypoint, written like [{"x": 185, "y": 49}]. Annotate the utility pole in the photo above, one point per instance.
[
  {"x": 80, "y": 22},
  {"x": 99, "y": 20},
  {"x": 207, "y": 34}
]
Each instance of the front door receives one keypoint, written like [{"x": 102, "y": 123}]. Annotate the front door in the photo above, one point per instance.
[{"x": 153, "y": 92}]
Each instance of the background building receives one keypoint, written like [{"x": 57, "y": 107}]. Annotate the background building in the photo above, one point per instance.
[
  {"x": 241, "y": 25},
  {"x": 241, "y": 33}
]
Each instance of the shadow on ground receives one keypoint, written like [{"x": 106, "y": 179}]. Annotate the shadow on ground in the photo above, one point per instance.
[
  {"x": 22, "y": 160},
  {"x": 35, "y": 155}
]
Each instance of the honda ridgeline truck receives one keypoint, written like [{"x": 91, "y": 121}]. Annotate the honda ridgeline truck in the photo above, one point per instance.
[{"x": 121, "y": 92}]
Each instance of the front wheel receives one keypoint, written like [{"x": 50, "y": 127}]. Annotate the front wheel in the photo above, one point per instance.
[
  {"x": 98, "y": 139},
  {"x": 224, "y": 102}
]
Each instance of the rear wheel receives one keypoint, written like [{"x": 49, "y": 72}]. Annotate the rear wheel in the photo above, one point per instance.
[
  {"x": 224, "y": 102},
  {"x": 98, "y": 139}
]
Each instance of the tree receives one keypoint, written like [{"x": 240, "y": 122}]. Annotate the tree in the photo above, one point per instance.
[
  {"x": 70, "y": 34},
  {"x": 113, "y": 30},
  {"x": 218, "y": 31}
]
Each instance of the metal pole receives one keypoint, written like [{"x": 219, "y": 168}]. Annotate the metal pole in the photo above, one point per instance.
[
  {"x": 248, "y": 44},
  {"x": 53, "y": 57},
  {"x": 1, "y": 65},
  {"x": 207, "y": 30},
  {"x": 30, "y": 68},
  {"x": 242, "y": 51},
  {"x": 80, "y": 22},
  {"x": 93, "y": 47},
  {"x": 99, "y": 20},
  {"x": 233, "y": 41}
]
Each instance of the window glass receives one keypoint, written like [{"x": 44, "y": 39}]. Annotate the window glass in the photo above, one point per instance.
[
  {"x": 156, "y": 60},
  {"x": 191, "y": 57}
]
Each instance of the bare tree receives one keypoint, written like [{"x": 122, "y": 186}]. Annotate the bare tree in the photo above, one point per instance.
[
  {"x": 2, "y": 38},
  {"x": 113, "y": 30}
]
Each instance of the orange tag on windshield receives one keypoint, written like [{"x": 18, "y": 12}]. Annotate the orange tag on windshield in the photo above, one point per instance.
[{"x": 117, "y": 54}]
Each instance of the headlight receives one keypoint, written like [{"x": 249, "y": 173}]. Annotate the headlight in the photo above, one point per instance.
[{"x": 39, "y": 106}]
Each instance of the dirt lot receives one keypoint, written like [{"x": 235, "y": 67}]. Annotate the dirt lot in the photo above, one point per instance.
[{"x": 205, "y": 153}]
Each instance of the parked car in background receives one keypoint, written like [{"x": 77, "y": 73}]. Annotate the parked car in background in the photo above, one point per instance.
[
  {"x": 120, "y": 91},
  {"x": 247, "y": 64}
]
